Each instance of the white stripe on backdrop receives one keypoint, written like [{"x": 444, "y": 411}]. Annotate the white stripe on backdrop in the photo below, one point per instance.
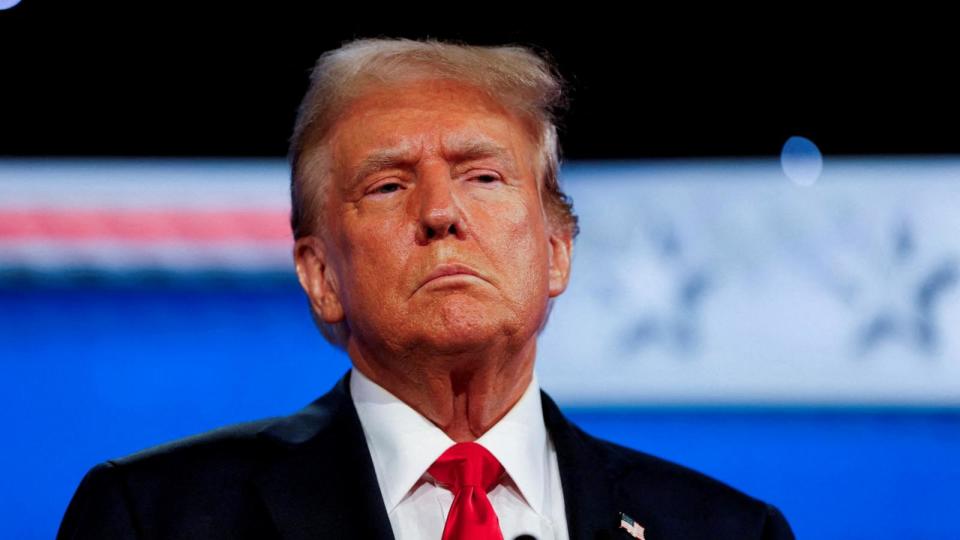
[{"x": 715, "y": 281}]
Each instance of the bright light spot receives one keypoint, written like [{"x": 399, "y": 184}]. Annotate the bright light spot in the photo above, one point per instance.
[
  {"x": 7, "y": 4},
  {"x": 801, "y": 161}
]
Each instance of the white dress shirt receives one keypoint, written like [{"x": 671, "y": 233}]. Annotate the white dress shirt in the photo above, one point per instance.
[{"x": 403, "y": 444}]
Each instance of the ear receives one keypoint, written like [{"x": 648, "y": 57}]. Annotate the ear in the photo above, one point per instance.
[
  {"x": 560, "y": 252},
  {"x": 317, "y": 279}
]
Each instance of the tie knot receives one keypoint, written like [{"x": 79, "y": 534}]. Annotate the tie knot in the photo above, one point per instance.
[{"x": 467, "y": 464}]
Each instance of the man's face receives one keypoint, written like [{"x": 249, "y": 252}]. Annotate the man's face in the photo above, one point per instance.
[{"x": 432, "y": 178}]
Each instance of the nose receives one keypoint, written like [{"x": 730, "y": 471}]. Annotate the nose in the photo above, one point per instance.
[{"x": 440, "y": 213}]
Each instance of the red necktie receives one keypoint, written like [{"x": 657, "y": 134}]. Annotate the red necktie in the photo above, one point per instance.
[{"x": 469, "y": 471}]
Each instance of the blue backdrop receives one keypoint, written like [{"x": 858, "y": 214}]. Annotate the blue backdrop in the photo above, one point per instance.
[{"x": 91, "y": 371}]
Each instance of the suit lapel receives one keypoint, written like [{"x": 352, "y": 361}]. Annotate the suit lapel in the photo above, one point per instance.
[
  {"x": 588, "y": 485},
  {"x": 318, "y": 480}
]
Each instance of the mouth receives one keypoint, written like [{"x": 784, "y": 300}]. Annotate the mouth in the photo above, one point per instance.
[{"x": 450, "y": 270}]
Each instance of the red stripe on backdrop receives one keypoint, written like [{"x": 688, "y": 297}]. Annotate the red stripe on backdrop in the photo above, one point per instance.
[{"x": 147, "y": 225}]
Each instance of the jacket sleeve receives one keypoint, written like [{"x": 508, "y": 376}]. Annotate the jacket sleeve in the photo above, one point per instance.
[
  {"x": 99, "y": 509},
  {"x": 776, "y": 526}
]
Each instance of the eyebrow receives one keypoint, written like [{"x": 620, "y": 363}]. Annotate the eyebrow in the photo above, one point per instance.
[
  {"x": 404, "y": 158},
  {"x": 471, "y": 150},
  {"x": 380, "y": 160}
]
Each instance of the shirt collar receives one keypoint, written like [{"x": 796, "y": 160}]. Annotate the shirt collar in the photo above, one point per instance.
[{"x": 403, "y": 443}]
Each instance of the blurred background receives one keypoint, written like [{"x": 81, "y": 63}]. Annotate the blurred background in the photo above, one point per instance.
[{"x": 765, "y": 288}]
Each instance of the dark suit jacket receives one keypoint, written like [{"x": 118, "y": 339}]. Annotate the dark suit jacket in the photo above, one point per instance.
[{"x": 309, "y": 475}]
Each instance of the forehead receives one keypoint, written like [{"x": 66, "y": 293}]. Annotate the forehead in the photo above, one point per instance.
[{"x": 429, "y": 115}]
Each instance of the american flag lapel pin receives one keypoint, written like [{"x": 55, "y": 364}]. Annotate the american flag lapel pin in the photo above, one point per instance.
[{"x": 632, "y": 527}]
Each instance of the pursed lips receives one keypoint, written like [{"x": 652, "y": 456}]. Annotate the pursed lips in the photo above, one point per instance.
[{"x": 450, "y": 269}]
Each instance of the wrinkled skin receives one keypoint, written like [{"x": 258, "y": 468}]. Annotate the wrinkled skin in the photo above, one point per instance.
[{"x": 424, "y": 174}]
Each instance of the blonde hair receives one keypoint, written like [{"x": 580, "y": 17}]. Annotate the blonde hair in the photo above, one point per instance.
[{"x": 516, "y": 77}]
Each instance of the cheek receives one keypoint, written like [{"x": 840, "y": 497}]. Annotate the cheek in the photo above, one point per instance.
[
  {"x": 374, "y": 263},
  {"x": 510, "y": 208},
  {"x": 519, "y": 241},
  {"x": 525, "y": 226}
]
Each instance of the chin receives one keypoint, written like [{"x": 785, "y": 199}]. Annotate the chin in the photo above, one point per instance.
[{"x": 462, "y": 326}]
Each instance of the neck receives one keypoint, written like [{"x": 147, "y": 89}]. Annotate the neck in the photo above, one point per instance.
[{"x": 464, "y": 394}]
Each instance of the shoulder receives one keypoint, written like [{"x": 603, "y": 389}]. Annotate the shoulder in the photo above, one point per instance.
[
  {"x": 240, "y": 447},
  {"x": 228, "y": 448},
  {"x": 672, "y": 497},
  {"x": 667, "y": 499},
  {"x": 205, "y": 483},
  {"x": 201, "y": 483},
  {"x": 633, "y": 467}
]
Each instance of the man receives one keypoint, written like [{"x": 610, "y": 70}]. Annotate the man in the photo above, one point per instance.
[{"x": 431, "y": 237}]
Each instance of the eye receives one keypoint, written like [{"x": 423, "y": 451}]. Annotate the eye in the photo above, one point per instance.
[
  {"x": 486, "y": 178},
  {"x": 389, "y": 187}
]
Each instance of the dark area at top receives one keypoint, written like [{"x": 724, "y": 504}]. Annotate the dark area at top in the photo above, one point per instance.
[{"x": 174, "y": 79}]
